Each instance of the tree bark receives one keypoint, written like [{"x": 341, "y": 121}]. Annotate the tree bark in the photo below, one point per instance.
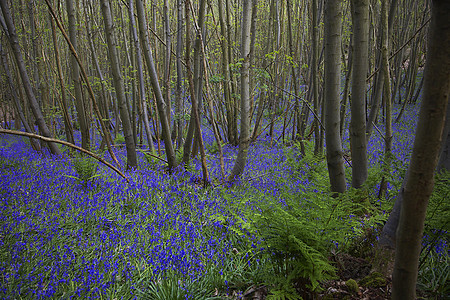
[
  {"x": 444, "y": 156},
  {"x": 160, "y": 103},
  {"x": 360, "y": 14},
  {"x": 335, "y": 161},
  {"x": 194, "y": 88},
  {"x": 178, "y": 91},
  {"x": 119, "y": 86},
  {"x": 79, "y": 101},
  {"x": 141, "y": 78},
  {"x": 34, "y": 142},
  {"x": 420, "y": 180},
  {"x": 67, "y": 124},
  {"x": 13, "y": 40},
  {"x": 244, "y": 139}
]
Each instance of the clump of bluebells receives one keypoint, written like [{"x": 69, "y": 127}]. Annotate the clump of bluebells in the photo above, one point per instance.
[{"x": 102, "y": 237}]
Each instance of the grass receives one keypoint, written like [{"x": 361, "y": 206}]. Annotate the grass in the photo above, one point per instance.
[{"x": 69, "y": 232}]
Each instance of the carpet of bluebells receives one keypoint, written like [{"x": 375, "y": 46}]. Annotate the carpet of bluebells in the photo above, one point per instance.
[{"x": 63, "y": 238}]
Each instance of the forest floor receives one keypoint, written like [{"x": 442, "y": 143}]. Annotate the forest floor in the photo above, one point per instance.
[{"x": 71, "y": 228}]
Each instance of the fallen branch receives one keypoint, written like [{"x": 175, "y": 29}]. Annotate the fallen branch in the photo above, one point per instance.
[{"x": 46, "y": 139}]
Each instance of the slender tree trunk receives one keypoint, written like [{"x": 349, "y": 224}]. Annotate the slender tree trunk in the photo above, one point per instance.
[
  {"x": 386, "y": 95},
  {"x": 358, "y": 104},
  {"x": 333, "y": 14},
  {"x": 178, "y": 91},
  {"x": 167, "y": 59},
  {"x": 170, "y": 153},
  {"x": 141, "y": 78},
  {"x": 244, "y": 139},
  {"x": 79, "y": 101},
  {"x": 195, "y": 117},
  {"x": 106, "y": 133},
  {"x": 231, "y": 130},
  {"x": 379, "y": 80},
  {"x": 13, "y": 40},
  {"x": 444, "y": 156},
  {"x": 315, "y": 77},
  {"x": 34, "y": 143},
  {"x": 119, "y": 86},
  {"x": 67, "y": 124},
  {"x": 420, "y": 181}
]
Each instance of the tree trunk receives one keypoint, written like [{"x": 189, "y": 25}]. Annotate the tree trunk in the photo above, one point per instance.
[
  {"x": 360, "y": 9},
  {"x": 232, "y": 129},
  {"x": 67, "y": 124},
  {"x": 178, "y": 91},
  {"x": 333, "y": 14},
  {"x": 79, "y": 101},
  {"x": 194, "y": 89},
  {"x": 167, "y": 59},
  {"x": 119, "y": 86},
  {"x": 141, "y": 79},
  {"x": 420, "y": 182},
  {"x": 34, "y": 143},
  {"x": 444, "y": 157},
  {"x": 244, "y": 139},
  {"x": 13, "y": 40},
  {"x": 161, "y": 105},
  {"x": 386, "y": 95}
]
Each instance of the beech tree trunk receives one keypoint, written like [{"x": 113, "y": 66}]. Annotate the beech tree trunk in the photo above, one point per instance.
[
  {"x": 119, "y": 86},
  {"x": 335, "y": 160},
  {"x": 160, "y": 103},
  {"x": 420, "y": 180},
  {"x": 141, "y": 79},
  {"x": 34, "y": 143},
  {"x": 244, "y": 139},
  {"x": 360, "y": 18},
  {"x": 79, "y": 101},
  {"x": 14, "y": 42}
]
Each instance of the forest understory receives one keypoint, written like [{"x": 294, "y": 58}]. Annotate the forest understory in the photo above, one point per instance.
[{"x": 71, "y": 228}]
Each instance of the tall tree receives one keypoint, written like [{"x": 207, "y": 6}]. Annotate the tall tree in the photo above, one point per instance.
[
  {"x": 118, "y": 85},
  {"x": 194, "y": 89},
  {"x": 386, "y": 94},
  {"x": 10, "y": 32},
  {"x": 160, "y": 103},
  {"x": 360, "y": 20},
  {"x": 244, "y": 139},
  {"x": 335, "y": 160},
  {"x": 141, "y": 77},
  {"x": 79, "y": 100},
  {"x": 420, "y": 179},
  {"x": 314, "y": 74},
  {"x": 64, "y": 107},
  {"x": 178, "y": 103},
  {"x": 34, "y": 143}
]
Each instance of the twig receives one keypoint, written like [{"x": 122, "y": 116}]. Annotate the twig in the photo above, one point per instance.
[
  {"x": 379, "y": 131},
  {"x": 400, "y": 49},
  {"x": 152, "y": 155}
]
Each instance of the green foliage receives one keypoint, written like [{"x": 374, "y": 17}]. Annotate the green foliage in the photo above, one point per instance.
[
  {"x": 434, "y": 273},
  {"x": 434, "y": 265},
  {"x": 175, "y": 287},
  {"x": 286, "y": 292},
  {"x": 86, "y": 169},
  {"x": 151, "y": 161},
  {"x": 438, "y": 211},
  {"x": 120, "y": 139},
  {"x": 295, "y": 246},
  {"x": 214, "y": 147},
  {"x": 298, "y": 229}
]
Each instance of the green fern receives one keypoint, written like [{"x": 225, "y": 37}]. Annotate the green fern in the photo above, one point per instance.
[{"x": 286, "y": 292}]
